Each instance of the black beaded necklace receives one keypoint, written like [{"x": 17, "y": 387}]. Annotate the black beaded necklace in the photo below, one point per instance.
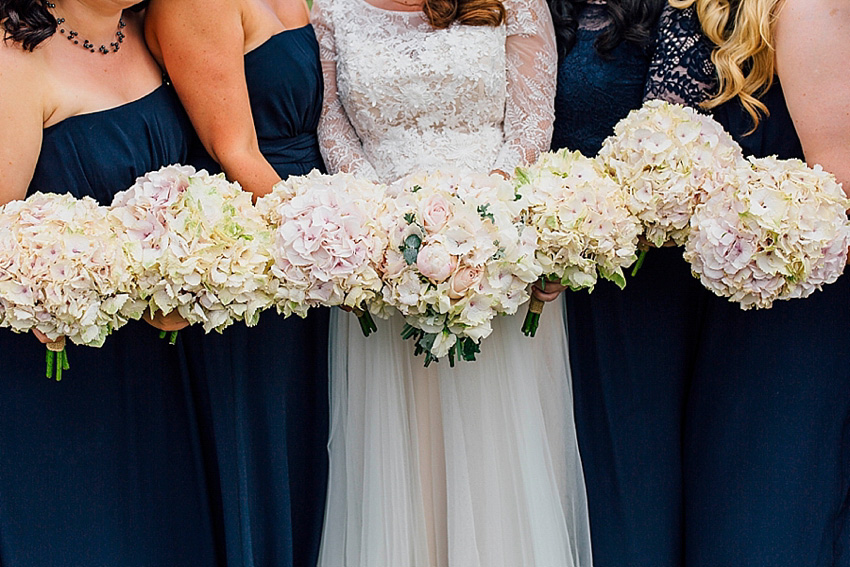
[{"x": 73, "y": 36}]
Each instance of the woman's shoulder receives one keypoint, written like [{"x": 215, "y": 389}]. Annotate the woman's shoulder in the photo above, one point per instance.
[
  {"x": 22, "y": 73},
  {"x": 160, "y": 10}
]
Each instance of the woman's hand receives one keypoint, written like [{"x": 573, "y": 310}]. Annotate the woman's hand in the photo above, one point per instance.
[
  {"x": 644, "y": 244},
  {"x": 168, "y": 323},
  {"x": 41, "y": 337},
  {"x": 549, "y": 292}
]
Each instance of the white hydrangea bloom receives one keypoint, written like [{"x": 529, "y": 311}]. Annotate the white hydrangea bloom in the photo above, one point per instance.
[
  {"x": 197, "y": 246},
  {"x": 777, "y": 230},
  {"x": 63, "y": 270},
  {"x": 583, "y": 224},
  {"x": 327, "y": 245},
  {"x": 668, "y": 157},
  {"x": 458, "y": 256}
]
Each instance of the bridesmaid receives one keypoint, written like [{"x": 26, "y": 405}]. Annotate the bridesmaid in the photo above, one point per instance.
[
  {"x": 248, "y": 73},
  {"x": 767, "y": 447},
  {"x": 101, "y": 468},
  {"x": 632, "y": 351}
]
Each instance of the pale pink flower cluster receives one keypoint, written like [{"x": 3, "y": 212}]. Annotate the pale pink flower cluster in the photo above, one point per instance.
[
  {"x": 778, "y": 230},
  {"x": 197, "y": 246},
  {"x": 63, "y": 270},
  {"x": 583, "y": 224},
  {"x": 458, "y": 255},
  {"x": 668, "y": 157},
  {"x": 327, "y": 245}
]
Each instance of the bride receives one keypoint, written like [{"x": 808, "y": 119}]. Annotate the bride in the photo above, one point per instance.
[{"x": 477, "y": 465}]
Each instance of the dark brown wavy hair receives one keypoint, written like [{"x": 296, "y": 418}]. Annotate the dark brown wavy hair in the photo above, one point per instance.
[
  {"x": 631, "y": 20},
  {"x": 443, "y": 13},
  {"x": 29, "y": 22}
]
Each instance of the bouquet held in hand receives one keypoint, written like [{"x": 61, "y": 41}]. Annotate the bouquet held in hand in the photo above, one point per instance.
[
  {"x": 458, "y": 256},
  {"x": 63, "y": 272},
  {"x": 197, "y": 245},
  {"x": 582, "y": 222},
  {"x": 669, "y": 158},
  {"x": 327, "y": 246},
  {"x": 778, "y": 230}
]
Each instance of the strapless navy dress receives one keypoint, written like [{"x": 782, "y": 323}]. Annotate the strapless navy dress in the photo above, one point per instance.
[
  {"x": 103, "y": 468},
  {"x": 631, "y": 351},
  {"x": 767, "y": 447},
  {"x": 263, "y": 391}
]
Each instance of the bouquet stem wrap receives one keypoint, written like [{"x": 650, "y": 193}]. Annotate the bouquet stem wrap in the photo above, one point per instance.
[
  {"x": 532, "y": 318},
  {"x": 56, "y": 359}
]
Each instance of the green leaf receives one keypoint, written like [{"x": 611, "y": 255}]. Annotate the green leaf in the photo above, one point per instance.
[
  {"x": 409, "y": 218},
  {"x": 618, "y": 278},
  {"x": 484, "y": 212},
  {"x": 411, "y": 249},
  {"x": 521, "y": 176}
]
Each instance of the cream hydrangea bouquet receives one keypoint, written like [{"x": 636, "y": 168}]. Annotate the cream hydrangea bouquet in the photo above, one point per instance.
[
  {"x": 197, "y": 246},
  {"x": 668, "y": 157},
  {"x": 327, "y": 245},
  {"x": 63, "y": 272},
  {"x": 778, "y": 230},
  {"x": 458, "y": 256},
  {"x": 583, "y": 224}
]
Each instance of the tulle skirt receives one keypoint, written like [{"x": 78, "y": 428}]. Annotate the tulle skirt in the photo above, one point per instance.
[{"x": 472, "y": 466}]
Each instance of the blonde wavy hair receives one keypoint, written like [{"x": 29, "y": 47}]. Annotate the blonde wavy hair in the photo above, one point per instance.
[{"x": 743, "y": 33}]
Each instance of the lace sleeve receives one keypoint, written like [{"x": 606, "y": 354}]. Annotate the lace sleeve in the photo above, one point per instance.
[
  {"x": 531, "y": 73},
  {"x": 681, "y": 70},
  {"x": 341, "y": 148}
]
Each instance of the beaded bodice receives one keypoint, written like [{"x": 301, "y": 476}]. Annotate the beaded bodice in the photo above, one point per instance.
[{"x": 401, "y": 95}]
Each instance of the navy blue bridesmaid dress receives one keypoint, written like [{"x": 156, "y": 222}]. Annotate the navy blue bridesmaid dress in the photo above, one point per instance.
[
  {"x": 103, "y": 468},
  {"x": 632, "y": 351},
  {"x": 263, "y": 391},
  {"x": 767, "y": 446}
]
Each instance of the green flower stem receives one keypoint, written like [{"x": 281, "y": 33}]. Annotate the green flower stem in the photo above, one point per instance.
[
  {"x": 57, "y": 359},
  {"x": 532, "y": 318},
  {"x": 639, "y": 262},
  {"x": 170, "y": 336},
  {"x": 367, "y": 324},
  {"x": 60, "y": 365},
  {"x": 51, "y": 363}
]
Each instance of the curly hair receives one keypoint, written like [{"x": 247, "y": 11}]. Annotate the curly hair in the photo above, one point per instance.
[
  {"x": 29, "y": 22},
  {"x": 742, "y": 32},
  {"x": 443, "y": 13},
  {"x": 632, "y": 20}
]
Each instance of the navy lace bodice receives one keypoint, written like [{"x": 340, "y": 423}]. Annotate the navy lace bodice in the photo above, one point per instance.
[{"x": 594, "y": 92}]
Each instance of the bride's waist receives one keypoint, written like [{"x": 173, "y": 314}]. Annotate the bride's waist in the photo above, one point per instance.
[{"x": 401, "y": 151}]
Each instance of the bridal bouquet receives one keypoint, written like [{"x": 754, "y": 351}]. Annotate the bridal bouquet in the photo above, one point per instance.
[
  {"x": 327, "y": 245},
  {"x": 197, "y": 245},
  {"x": 63, "y": 272},
  {"x": 668, "y": 157},
  {"x": 458, "y": 256},
  {"x": 778, "y": 230},
  {"x": 582, "y": 221}
]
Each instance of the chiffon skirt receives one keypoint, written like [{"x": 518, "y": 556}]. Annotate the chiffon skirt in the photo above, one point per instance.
[
  {"x": 103, "y": 468},
  {"x": 472, "y": 466},
  {"x": 767, "y": 435}
]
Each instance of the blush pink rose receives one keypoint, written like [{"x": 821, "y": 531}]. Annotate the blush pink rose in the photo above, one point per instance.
[
  {"x": 435, "y": 262},
  {"x": 462, "y": 280},
  {"x": 435, "y": 213}
]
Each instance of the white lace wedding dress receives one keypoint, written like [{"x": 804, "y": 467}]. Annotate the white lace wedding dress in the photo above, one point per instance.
[{"x": 477, "y": 465}]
